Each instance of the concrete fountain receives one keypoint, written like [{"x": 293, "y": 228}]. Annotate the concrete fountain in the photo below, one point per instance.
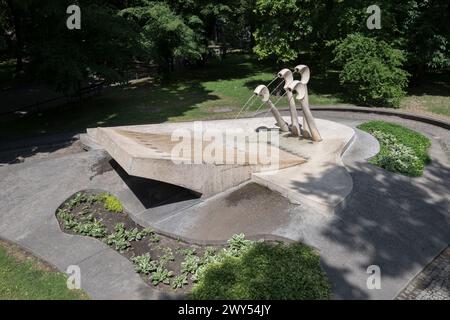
[{"x": 211, "y": 157}]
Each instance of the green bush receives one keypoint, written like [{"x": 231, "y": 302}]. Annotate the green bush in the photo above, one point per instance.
[
  {"x": 401, "y": 150},
  {"x": 397, "y": 157},
  {"x": 112, "y": 203},
  {"x": 264, "y": 271},
  {"x": 371, "y": 71}
]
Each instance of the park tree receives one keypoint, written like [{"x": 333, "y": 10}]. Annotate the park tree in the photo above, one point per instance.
[
  {"x": 14, "y": 27},
  {"x": 287, "y": 28},
  {"x": 427, "y": 36},
  {"x": 102, "y": 48},
  {"x": 282, "y": 28},
  {"x": 224, "y": 22},
  {"x": 115, "y": 33},
  {"x": 414, "y": 34},
  {"x": 163, "y": 35}
]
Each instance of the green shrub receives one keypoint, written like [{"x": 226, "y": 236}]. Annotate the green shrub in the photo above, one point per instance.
[
  {"x": 264, "y": 271},
  {"x": 402, "y": 150},
  {"x": 371, "y": 71},
  {"x": 112, "y": 203}
]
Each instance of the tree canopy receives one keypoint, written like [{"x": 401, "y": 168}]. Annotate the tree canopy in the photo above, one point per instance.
[{"x": 114, "y": 34}]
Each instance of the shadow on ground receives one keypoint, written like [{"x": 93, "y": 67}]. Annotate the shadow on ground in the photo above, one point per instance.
[
  {"x": 138, "y": 103},
  {"x": 153, "y": 193},
  {"x": 434, "y": 84},
  {"x": 398, "y": 222}
]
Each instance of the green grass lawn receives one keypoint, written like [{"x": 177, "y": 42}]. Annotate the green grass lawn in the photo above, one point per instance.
[
  {"x": 429, "y": 104},
  {"x": 431, "y": 96},
  {"x": 23, "y": 277},
  {"x": 266, "y": 271},
  {"x": 402, "y": 150},
  {"x": 216, "y": 91}
]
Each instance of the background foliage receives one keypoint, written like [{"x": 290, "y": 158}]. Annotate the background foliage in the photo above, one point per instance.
[
  {"x": 115, "y": 35},
  {"x": 371, "y": 70}
]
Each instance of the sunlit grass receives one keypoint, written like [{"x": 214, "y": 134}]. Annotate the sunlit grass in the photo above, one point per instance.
[
  {"x": 25, "y": 279},
  {"x": 217, "y": 90},
  {"x": 432, "y": 104}
]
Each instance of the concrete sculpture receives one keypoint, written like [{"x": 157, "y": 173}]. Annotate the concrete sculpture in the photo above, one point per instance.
[
  {"x": 264, "y": 93},
  {"x": 300, "y": 87},
  {"x": 291, "y": 86},
  {"x": 213, "y": 157},
  {"x": 288, "y": 77}
]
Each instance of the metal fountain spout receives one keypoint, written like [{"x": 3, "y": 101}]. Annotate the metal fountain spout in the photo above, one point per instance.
[{"x": 264, "y": 93}]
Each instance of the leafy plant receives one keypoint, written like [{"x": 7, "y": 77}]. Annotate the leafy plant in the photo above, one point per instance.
[
  {"x": 168, "y": 256},
  {"x": 401, "y": 149},
  {"x": 70, "y": 224},
  {"x": 187, "y": 251},
  {"x": 68, "y": 219},
  {"x": 144, "y": 264},
  {"x": 90, "y": 227},
  {"x": 161, "y": 275},
  {"x": 148, "y": 231},
  {"x": 121, "y": 239},
  {"x": 180, "y": 281},
  {"x": 190, "y": 264},
  {"x": 110, "y": 202},
  {"x": 237, "y": 245},
  {"x": 154, "y": 238},
  {"x": 118, "y": 239},
  {"x": 265, "y": 271},
  {"x": 134, "y": 235},
  {"x": 396, "y": 157},
  {"x": 402, "y": 159},
  {"x": 209, "y": 255},
  {"x": 121, "y": 244},
  {"x": 76, "y": 200}
]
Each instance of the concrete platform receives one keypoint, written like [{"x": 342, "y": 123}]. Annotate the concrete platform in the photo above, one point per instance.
[
  {"x": 322, "y": 182},
  {"x": 306, "y": 171},
  {"x": 146, "y": 151}
]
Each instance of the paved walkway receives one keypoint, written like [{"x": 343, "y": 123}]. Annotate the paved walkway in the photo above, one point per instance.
[
  {"x": 398, "y": 223},
  {"x": 31, "y": 192},
  {"x": 395, "y": 222}
]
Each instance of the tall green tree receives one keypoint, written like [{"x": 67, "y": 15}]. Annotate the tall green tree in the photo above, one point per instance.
[
  {"x": 286, "y": 28},
  {"x": 163, "y": 35},
  {"x": 102, "y": 48},
  {"x": 224, "y": 22}
]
